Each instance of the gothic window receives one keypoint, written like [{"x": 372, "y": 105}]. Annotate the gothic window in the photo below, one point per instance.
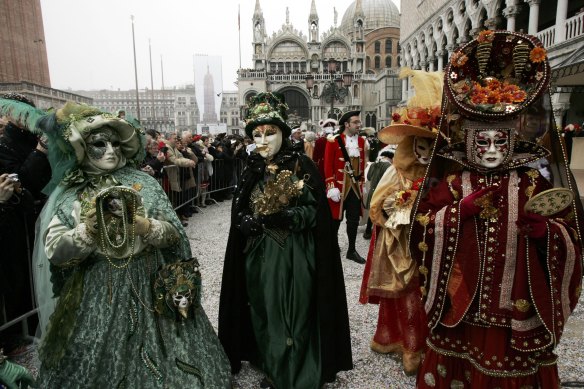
[
  {"x": 388, "y": 46},
  {"x": 377, "y": 47},
  {"x": 356, "y": 91},
  {"x": 377, "y": 62},
  {"x": 388, "y": 61}
]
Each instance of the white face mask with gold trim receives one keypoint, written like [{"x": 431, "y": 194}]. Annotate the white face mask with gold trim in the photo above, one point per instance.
[
  {"x": 422, "y": 149},
  {"x": 268, "y": 140}
]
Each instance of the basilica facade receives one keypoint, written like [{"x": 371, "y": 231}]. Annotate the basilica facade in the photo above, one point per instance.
[{"x": 353, "y": 65}]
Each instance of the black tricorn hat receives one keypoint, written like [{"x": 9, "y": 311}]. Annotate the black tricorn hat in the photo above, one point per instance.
[{"x": 346, "y": 116}]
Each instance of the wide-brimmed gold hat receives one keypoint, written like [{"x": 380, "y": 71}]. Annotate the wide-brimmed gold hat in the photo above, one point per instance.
[{"x": 421, "y": 116}]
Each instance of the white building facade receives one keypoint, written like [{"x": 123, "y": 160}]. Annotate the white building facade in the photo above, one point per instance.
[{"x": 360, "y": 57}]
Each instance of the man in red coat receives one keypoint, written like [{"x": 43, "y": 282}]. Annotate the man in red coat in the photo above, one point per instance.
[{"x": 343, "y": 191}]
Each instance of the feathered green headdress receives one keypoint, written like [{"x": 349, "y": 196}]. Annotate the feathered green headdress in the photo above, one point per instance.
[
  {"x": 66, "y": 130},
  {"x": 21, "y": 113}
]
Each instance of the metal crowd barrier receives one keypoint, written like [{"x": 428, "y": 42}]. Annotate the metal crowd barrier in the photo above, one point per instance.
[
  {"x": 220, "y": 175},
  {"x": 209, "y": 178}
]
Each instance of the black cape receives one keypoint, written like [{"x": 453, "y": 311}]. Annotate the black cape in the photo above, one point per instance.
[{"x": 235, "y": 330}]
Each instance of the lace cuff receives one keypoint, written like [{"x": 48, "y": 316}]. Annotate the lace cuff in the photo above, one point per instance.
[
  {"x": 82, "y": 233},
  {"x": 155, "y": 232}
]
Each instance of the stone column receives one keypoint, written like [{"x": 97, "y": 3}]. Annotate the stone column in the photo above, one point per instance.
[
  {"x": 474, "y": 32},
  {"x": 560, "y": 104},
  {"x": 450, "y": 49},
  {"x": 404, "y": 89},
  {"x": 561, "y": 15},
  {"x": 510, "y": 13},
  {"x": 492, "y": 23},
  {"x": 431, "y": 63},
  {"x": 440, "y": 55},
  {"x": 533, "y": 16}
]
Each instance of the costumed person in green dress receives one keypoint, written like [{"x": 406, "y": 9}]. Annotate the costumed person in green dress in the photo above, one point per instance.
[
  {"x": 283, "y": 304},
  {"x": 118, "y": 295}
]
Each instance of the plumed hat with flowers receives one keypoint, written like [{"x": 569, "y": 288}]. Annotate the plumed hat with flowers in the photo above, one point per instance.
[
  {"x": 267, "y": 108},
  {"x": 497, "y": 75},
  {"x": 421, "y": 115}
]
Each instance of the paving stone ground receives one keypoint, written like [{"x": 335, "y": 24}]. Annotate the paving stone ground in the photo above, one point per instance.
[{"x": 208, "y": 231}]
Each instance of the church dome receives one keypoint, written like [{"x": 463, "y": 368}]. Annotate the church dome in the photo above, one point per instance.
[{"x": 378, "y": 14}]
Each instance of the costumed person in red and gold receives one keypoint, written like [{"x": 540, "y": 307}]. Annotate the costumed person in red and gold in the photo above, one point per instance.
[
  {"x": 391, "y": 276},
  {"x": 499, "y": 252},
  {"x": 283, "y": 304},
  {"x": 344, "y": 164},
  {"x": 328, "y": 128}
]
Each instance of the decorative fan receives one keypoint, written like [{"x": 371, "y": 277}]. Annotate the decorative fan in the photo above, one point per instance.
[{"x": 550, "y": 202}]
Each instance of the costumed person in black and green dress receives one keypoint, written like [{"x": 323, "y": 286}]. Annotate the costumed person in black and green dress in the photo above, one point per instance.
[
  {"x": 117, "y": 291},
  {"x": 283, "y": 304}
]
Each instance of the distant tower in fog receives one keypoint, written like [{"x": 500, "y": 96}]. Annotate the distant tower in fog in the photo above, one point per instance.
[
  {"x": 209, "y": 113},
  {"x": 23, "y": 54}
]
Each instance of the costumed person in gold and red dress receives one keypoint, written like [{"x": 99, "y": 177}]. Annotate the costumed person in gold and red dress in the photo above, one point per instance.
[
  {"x": 391, "y": 275},
  {"x": 500, "y": 253}
]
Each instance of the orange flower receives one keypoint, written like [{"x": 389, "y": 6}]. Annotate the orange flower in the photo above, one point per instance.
[
  {"x": 458, "y": 59},
  {"x": 537, "y": 54},
  {"x": 486, "y": 36}
]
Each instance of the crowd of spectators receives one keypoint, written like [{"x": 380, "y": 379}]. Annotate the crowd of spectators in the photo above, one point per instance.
[{"x": 195, "y": 170}]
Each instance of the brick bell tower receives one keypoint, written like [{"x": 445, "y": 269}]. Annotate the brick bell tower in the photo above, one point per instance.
[{"x": 23, "y": 52}]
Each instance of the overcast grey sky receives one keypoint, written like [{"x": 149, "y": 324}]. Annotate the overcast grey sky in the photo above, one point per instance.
[{"x": 89, "y": 43}]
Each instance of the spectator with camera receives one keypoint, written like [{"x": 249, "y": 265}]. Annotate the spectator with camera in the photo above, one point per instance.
[{"x": 23, "y": 156}]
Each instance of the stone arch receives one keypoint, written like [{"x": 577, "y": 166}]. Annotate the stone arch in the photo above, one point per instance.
[
  {"x": 336, "y": 49},
  {"x": 290, "y": 41},
  {"x": 298, "y": 101},
  {"x": 467, "y": 27},
  {"x": 482, "y": 18}
]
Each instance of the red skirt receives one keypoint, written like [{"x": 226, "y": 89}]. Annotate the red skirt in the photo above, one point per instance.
[
  {"x": 478, "y": 357},
  {"x": 402, "y": 324}
]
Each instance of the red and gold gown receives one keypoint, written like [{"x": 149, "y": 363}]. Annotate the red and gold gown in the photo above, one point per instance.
[{"x": 497, "y": 301}]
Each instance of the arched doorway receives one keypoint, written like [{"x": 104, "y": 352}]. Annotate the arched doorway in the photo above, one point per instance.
[{"x": 298, "y": 108}]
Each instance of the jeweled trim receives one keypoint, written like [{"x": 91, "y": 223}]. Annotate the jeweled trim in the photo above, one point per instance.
[
  {"x": 437, "y": 257},
  {"x": 511, "y": 244},
  {"x": 149, "y": 363},
  {"x": 526, "y": 325},
  {"x": 189, "y": 369},
  {"x": 568, "y": 270},
  {"x": 491, "y": 373}
]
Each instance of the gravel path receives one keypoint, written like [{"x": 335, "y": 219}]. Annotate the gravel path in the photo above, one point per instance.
[{"x": 208, "y": 231}]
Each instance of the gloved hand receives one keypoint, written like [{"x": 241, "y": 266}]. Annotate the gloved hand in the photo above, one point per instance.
[
  {"x": 142, "y": 226},
  {"x": 15, "y": 376},
  {"x": 250, "y": 226},
  {"x": 532, "y": 224},
  {"x": 282, "y": 219},
  {"x": 469, "y": 206},
  {"x": 334, "y": 194}
]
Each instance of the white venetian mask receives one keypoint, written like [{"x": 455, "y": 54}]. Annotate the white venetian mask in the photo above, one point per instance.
[
  {"x": 491, "y": 147},
  {"x": 268, "y": 140},
  {"x": 422, "y": 149},
  {"x": 103, "y": 149}
]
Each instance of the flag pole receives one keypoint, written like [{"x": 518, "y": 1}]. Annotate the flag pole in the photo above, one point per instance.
[{"x": 239, "y": 30}]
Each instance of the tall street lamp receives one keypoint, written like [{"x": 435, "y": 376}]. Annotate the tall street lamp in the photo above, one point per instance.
[{"x": 335, "y": 89}]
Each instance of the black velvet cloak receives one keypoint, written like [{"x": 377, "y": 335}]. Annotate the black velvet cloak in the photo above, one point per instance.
[{"x": 235, "y": 331}]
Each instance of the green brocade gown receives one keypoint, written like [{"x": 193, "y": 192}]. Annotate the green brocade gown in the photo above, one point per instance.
[
  {"x": 280, "y": 277},
  {"x": 111, "y": 338}
]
